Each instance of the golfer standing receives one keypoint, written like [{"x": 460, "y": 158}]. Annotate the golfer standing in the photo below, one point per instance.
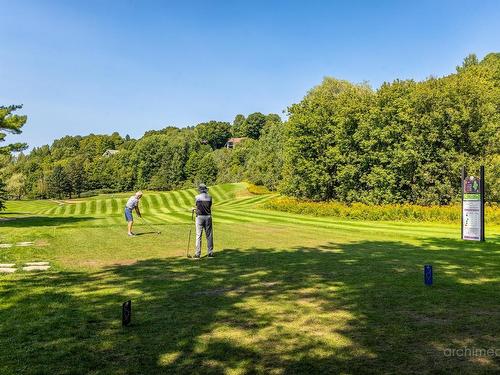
[
  {"x": 132, "y": 204},
  {"x": 203, "y": 209}
]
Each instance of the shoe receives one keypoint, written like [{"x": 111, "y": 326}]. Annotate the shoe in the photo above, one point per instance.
[
  {"x": 131, "y": 235},
  {"x": 197, "y": 257},
  {"x": 211, "y": 255}
]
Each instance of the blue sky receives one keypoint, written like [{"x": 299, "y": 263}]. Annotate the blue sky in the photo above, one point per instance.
[{"x": 132, "y": 66}]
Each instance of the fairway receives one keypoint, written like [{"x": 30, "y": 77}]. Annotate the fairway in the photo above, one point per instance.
[{"x": 285, "y": 293}]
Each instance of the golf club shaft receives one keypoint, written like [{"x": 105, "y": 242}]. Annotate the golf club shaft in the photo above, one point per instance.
[
  {"x": 149, "y": 225},
  {"x": 189, "y": 236}
]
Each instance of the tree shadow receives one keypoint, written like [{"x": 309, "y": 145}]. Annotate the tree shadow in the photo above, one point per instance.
[
  {"x": 359, "y": 307},
  {"x": 43, "y": 221}
]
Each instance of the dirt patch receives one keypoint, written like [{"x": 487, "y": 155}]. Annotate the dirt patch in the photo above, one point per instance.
[
  {"x": 426, "y": 319},
  {"x": 214, "y": 292},
  {"x": 264, "y": 287},
  {"x": 41, "y": 243},
  {"x": 243, "y": 193},
  {"x": 125, "y": 262},
  {"x": 103, "y": 263}
]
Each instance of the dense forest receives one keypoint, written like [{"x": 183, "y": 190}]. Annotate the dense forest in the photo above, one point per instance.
[{"x": 402, "y": 143}]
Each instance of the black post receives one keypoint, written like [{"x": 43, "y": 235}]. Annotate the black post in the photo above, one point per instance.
[
  {"x": 126, "y": 313},
  {"x": 481, "y": 189},
  {"x": 462, "y": 210}
]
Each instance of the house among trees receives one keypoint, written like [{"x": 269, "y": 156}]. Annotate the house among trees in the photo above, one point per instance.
[
  {"x": 231, "y": 142},
  {"x": 109, "y": 153}
]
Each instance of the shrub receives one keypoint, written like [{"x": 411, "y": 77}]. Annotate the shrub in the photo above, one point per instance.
[
  {"x": 257, "y": 189},
  {"x": 391, "y": 212}
]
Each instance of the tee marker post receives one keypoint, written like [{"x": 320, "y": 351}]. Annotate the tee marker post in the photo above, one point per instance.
[{"x": 126, "y": 313}]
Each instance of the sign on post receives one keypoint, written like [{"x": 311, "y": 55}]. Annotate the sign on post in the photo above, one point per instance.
[{"x": 473, "y": 206}]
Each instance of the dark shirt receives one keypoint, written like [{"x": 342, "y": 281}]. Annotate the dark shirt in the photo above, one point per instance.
[{"x": 203, "y": 204}]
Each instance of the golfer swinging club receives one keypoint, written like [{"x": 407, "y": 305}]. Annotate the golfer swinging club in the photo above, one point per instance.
[
  {"x": 132, "y": 204},
  {"x": 204, "y": 220}
]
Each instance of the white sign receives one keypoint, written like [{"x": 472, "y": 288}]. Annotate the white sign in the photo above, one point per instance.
[{"x": 472, "y": 220}]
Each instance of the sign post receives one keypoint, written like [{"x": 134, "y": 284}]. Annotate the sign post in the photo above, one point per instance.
[{"x": 473, "y": 206}]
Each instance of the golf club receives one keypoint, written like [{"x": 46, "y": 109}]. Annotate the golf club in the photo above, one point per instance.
[
  {"x": 190, "y": 231},
  {"x": 150, "y": 226}
]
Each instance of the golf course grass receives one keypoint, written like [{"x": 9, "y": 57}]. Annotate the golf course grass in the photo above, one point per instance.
[{"x": 285, "y": 293}]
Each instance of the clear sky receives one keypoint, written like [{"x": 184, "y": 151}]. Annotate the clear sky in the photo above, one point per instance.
[{"x": 130, "y": 66}]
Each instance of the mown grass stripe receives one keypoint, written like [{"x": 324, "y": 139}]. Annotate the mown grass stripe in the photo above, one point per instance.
[
  {"x": 82, "y": 207},
  {"x": 180, "y": 199},
  {"x": 121, "y": 204},
  {"x": 109, "y": 206},
  {"x": 72, "y": 209},
  {"x": 51, "y": 211},
  {"x": 61, "y": 210},
  {"x": 175, "y": 203},
  {"x": 165, "y": 218},
  {"x": 155, "y": 202},
  {"x": 144, "y": 204},
  {"x": 234, "y": 217},
  {"x": 165, "y": 202},
  {"x": 187, "y": 198},
  {"x": 248, "y": 201},
  {"x": 93, "y": 207},
  {"x": 219, "y": 194},
  {"x": 395, "y": 227},
  {"x": 114, "y": 205},
  {"x": 102, "y": 206},
  {"x": 312, "y": 221}
]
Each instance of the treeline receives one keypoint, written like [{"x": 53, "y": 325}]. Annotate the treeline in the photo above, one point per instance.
[
  {"x": 166, "y": 159},
  {"x": 402, "y": 143}
]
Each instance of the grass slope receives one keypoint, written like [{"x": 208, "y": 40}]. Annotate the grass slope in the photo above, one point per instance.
[{"x": 285, "y": 294}]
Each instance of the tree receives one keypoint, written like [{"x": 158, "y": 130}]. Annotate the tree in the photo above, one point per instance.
[
  {"x": 321, "y": 159},
  {"x": 41, "y": 188},
  {"x": 207, "y": 172},
  {"x": 10, "y": 123},
  {"x": 3, "y": 195},
  {"x": 404, "y": 143},
  {"x": 253, "y": 125},
  {"x": 76, "y": 175},
  {"x": 16, "y": 185},
  {"x": 58, "y": 182},
  {"x": 265, "y": 164},
  {"x": 237, "y": 128},
  {"x": 214, "y": 133},
  {"x": 469, "y": 61}
]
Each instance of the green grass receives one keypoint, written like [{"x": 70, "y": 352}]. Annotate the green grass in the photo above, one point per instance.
[{"x": 286, "y": 293}]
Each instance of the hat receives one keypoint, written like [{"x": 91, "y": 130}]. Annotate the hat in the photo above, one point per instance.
[{"x": 202, "y": 188}]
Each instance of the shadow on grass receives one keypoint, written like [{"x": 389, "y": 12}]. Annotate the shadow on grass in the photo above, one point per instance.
[
  {"x": 43, "y": 221},
  {"x": 147, "y": 233},
  {"x": 359, "y": 307}
]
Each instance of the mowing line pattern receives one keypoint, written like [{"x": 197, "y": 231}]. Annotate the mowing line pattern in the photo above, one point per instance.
[{"x": 232, "y": 204}]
